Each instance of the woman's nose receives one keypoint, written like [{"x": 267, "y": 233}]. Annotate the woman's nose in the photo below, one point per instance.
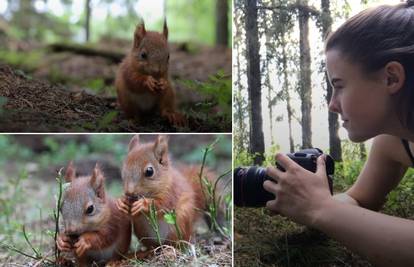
[{"x": 334, "y": 105}]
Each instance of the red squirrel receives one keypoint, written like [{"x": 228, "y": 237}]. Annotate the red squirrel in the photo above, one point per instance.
[
  {"x": 149, "y": 175},
  {"x": 142, "y": 82},
  {"x": 94, "y": 229}
]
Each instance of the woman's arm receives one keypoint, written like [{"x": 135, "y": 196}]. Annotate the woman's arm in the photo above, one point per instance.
[
  {"x": 304, "y": 197},
  {"x": 383, "y": 170},
  {"x": 383, "y": 239}
]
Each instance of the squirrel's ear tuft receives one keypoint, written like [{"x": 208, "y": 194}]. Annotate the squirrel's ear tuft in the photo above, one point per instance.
[
  {"x": 139, "y": 34},
  {"x": 70, "y": 173},
  {"x": 98, "y": 182},
  {"x": 165, "y": 30},
  {"x": 133, "y": 143},
  {"x": 161, "y": 149}
]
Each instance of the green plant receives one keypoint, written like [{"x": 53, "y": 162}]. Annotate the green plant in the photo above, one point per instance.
[
  {"x": 56, "y": 211},
  {"x": 9, "y": 207},
  {"x": 218, "y": 89},
  {"x": 210, "y": 194},
  {"x": 107, "y": 119},
  {"x": 400, "y": 201},
  {"x": 153, "y": 220},
  {"x": 11, "y": 195},
  {"x": 25, "y": 60},
  {"x": 170, "y": 217}
]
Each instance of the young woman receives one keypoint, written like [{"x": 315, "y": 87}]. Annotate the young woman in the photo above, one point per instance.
[{"x": 370, "y": 63}]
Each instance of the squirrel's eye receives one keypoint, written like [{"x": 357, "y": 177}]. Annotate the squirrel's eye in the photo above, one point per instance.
[
  {"x": 168, "y": 57},
  {"x": 89, "y": 210},
  {"x": 149, "y": 171},
  {"x": 143, "y": 55}
]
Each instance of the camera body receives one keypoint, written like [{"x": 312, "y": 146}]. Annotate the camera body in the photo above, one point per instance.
[{"x": 248, "y": 181}]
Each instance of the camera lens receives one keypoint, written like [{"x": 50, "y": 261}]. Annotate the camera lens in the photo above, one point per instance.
[
  {"x": 248, "y": 181},
  {"x": 248, "y": 187}
]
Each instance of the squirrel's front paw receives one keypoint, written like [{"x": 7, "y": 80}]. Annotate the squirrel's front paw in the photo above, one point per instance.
[
  {"x": 82, "y": 246},
  {"x": 141, "y": 205},
  {"x": 151, "y": 83},
  {"x": 163, "y": 85},
  {"x": 63, "y": 243},
  {"x": 123, "y": 205}
]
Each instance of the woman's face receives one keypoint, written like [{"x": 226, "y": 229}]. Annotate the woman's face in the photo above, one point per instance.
[{"x": 362, "y": 100}]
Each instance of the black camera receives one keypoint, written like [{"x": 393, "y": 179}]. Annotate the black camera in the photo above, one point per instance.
[{"x": 248, "y": 181}]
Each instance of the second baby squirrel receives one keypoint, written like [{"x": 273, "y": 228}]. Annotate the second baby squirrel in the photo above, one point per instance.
[
  {"x": 94, "y": 229},
  {"x": 150, "y": 177},
  {"x": 142, "y": 82}
]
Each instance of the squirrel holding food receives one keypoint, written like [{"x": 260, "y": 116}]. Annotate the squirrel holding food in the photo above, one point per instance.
[
  {"x": 94, "y": 229},
  {"x": 150, "y": 178},
  {"x": 142, "y": 82}
]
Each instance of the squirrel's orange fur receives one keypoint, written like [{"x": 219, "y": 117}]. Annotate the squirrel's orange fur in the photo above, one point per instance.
[
  {"x": 94, "y": 229},
  {"x": 142, "y": 82},
  {"x": 168, "y": 188}
]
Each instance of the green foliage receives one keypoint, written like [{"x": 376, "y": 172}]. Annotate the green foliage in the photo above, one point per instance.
[
  {"x": 97, "y": 84},
  {"x": 170, "y": 217},
  {"x": 107, "y": 120},
  {"x": 108, "y": 143},
  {"x": 218, "y": 90},
  {"x": 400, "y": 201},
  {"x": 153, "y": 220},
  {"x": 26, "y": 60},
  {"x": 12, "y": 150},
  {"x": 57, "y": 210},
  {"x": 11, "y": 196},
  {"x": 243, "y": 158},
  {"x": 347, "y": 171},
  {"x": 223, "y": 146},
  {"x": 191, "y": 20},
  {"x": 59, "y": 153},
  {"x": 214, "y": 201}
]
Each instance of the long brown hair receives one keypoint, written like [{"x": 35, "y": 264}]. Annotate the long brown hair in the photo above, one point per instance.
[{"x": 376, "y": 36}]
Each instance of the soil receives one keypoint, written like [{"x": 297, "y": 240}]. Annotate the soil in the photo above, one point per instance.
[
  {"x": 264, "y": 240},
  {"x": 33, "y": 104}
]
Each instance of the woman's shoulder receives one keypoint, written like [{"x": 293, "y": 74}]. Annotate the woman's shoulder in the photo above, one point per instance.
[{"x": 391, "y": 148}]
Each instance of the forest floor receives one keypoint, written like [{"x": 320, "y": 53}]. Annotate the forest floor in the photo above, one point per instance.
[
  {"x": 264, "y": 240},
  {"x": 45, "y": 91}
]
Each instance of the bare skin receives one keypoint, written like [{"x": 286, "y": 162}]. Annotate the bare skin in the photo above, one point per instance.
[{"x": 352, "y": 217}]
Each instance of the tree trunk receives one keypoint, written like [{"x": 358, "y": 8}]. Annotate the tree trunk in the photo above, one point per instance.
[
  {"x": 222, "y": 32},
  {"x": 267, "y": 83},
  {"x": 253, "y": 81},
  {"x": 305, "y": 76},
  {"x": 335, "y": 149},
  {"x": 87, "y": 19},
  {"x": 286, "y": 90}
]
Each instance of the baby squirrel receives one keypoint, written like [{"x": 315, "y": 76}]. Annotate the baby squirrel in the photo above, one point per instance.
[
  {"x": 142, "y": 82},
  {"x": 94, "y": 229},
  {"x": 148, "y": 175}
]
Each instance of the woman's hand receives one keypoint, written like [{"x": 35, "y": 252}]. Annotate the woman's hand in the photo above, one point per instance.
[{"x": 300, "y": 194}]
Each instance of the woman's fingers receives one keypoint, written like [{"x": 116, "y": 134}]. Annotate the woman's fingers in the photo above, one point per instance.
[
  {"x": 273, "y": 173},
  {"x": 321, "y": 166},
  {"x": 271, "y": 186},
  {"x": 284, "y": 161}
]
